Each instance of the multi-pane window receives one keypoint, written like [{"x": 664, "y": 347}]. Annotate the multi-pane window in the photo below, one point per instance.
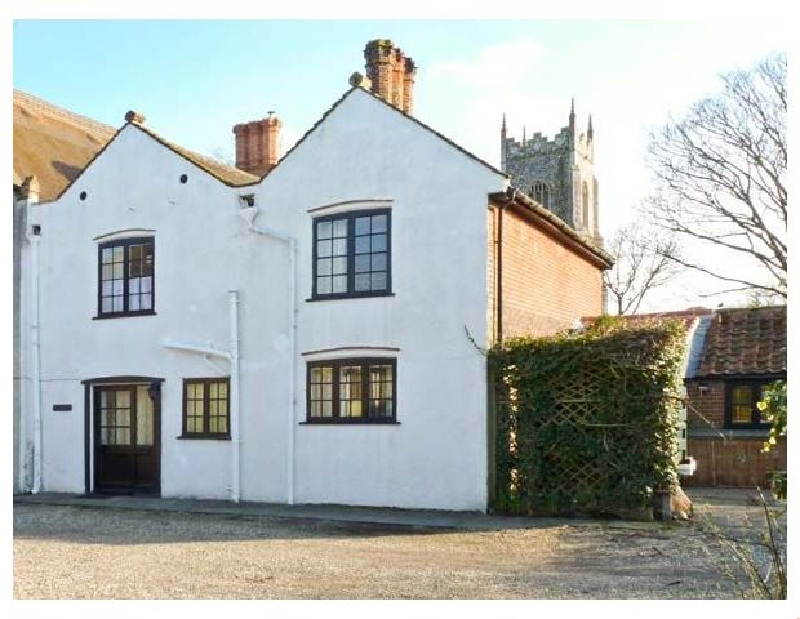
[
  {"x": 126, "y": 283},
  {"x": 126, "y": 416},
  {"x": 741, "y": 400},
  {"x": 115, "y": 417},
  {"x": 352, "y": 390},
  {"x": 206, "y": 407},
  {"x": 352, "y": 254}
]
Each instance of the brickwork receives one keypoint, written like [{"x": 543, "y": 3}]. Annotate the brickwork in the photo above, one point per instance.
[
  {"x": 391, "y": 73},
  {"x": 546, "y": 285},
  {"x": 706, "y": 407},
  {"x": 257, "y": 145}
]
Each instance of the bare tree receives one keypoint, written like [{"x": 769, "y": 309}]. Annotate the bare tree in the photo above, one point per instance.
[
  {"x": 720, "y": 180},
  {"x": 641, "y": 264}
]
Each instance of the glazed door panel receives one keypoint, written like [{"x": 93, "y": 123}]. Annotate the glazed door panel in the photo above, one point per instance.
[{"x": 126, "y": 439}]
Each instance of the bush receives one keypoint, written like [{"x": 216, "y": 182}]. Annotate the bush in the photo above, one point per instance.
[{"x": 586, "y": 422}]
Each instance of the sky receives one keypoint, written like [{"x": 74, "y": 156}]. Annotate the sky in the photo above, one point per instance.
[{"x": 195, "y": 79}]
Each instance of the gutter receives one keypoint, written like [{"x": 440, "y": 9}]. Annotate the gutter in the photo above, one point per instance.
[
  {"x": 499, "y": 272},
  {"x": 249, "y": 214},
  {"x": 551, "y": 224}
]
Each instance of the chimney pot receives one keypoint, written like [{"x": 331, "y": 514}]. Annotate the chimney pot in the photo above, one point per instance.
[
  {"x": 360, "y": 81},
  {"x": 134, "y": 117}
]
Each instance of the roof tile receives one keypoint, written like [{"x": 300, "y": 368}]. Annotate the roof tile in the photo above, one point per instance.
[{"x": 744, "y": 341}]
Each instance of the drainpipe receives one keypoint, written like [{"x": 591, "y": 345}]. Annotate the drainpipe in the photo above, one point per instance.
[
  {"x": 33, "y": 239},
  {"x": 233, "y": 357},
  {"x": 233, "y": 298},
  {"x": 249, "y": 215},
  {"x": 500, "y": 275},
  {"x": 293, "y": 372}
]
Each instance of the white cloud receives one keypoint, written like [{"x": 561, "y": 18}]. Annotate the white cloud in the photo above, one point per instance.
[{"x": 499, "y": 65}]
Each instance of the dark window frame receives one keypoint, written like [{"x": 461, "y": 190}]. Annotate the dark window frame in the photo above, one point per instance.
[
  {"x": 125, "y": 244},
  {"x": 206, "y": 382},
  {"x": 351, "y": 292},
  {"x": 756, "y": 385},
  {"x": 365, "y": 363}
]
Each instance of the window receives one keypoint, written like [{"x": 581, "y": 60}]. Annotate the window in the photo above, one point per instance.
[
  {"x": 541, "y": 193},
  {"x": 125, "y": 274},
  {"x": 206, "y": 408},
  {"x": 352, "y": 391},
  {"x": 585, "y": 205},
  {"x": 352, "y": 255},
  {"x": 740, "y": 404}
]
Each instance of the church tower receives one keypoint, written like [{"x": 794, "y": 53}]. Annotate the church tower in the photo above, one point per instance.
[{"x": 558, "y": 174}]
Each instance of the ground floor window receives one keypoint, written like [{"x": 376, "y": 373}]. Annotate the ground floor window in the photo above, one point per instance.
[
  {"x": 351, "y": 391},
  {"x": 741, "y": 398},
  {"x": 206, "y": 408}
]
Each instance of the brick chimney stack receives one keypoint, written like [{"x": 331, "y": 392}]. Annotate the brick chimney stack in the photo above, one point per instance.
[
  {"x": 391, "y": 73},
  {"x": 257, "y": 144}
]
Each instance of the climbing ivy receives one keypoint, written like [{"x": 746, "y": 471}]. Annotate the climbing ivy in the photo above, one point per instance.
[{"x": 586, "y": 422}]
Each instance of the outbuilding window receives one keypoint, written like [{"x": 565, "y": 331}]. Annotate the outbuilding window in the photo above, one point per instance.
[
  {"x": 352, "y": 391},
  {"x": 126, "y": 284},
  {"x": 206, "y": 408},
  {"x": 352, "y": 255},
  {"x": 741, "y": 398}
]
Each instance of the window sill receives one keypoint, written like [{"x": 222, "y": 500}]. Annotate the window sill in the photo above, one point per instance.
[
  {"x": 125, "y": 315},
  {"x": 349, "y": 422},
  {"x": 202, "y": 437},
  {"x": 727, "y": 433},
  {"x": 747, "y": 428},
  {"x": 352, "y": 295}
]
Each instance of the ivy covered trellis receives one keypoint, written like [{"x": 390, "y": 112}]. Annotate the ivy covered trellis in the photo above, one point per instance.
[{"x": 586, "y": 423}]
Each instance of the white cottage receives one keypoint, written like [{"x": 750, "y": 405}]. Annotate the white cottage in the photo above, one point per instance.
[{"x": 303, "y": 336}]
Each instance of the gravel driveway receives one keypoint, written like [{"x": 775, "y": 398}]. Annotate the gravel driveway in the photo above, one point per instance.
[{"x": 79, "y": 552}]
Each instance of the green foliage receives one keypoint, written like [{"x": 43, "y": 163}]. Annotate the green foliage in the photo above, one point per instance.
[
  {"x": 773, "y": 409},
  {"x": 587, "y": 422}
]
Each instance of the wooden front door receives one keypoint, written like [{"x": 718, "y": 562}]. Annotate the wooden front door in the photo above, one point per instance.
[{"x": 127, "y": 439}]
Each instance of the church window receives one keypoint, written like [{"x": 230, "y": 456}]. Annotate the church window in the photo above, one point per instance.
[
  {"x": 585, "y": 204},
  {"x": 541, "y": 193}
]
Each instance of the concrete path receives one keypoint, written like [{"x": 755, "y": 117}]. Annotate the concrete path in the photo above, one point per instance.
[{"x": 408, "y": 519}]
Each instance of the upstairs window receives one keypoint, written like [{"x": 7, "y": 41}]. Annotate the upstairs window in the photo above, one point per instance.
[
  {"x": 541, "y": 194},
  {"x": 126, "y": 278},
  {"x": 352, "y": 255}
]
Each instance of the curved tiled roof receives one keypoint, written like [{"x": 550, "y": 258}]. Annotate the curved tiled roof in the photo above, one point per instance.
[{"x": 745, "y": 341}]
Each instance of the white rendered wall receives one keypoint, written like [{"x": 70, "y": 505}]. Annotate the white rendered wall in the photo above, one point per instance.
[
  {"x": 202, "y": 250},
  {"x": 434, "y": 458}
]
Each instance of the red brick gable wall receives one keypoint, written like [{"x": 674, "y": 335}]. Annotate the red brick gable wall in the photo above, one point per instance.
[{"x": 546, "y": 284}]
